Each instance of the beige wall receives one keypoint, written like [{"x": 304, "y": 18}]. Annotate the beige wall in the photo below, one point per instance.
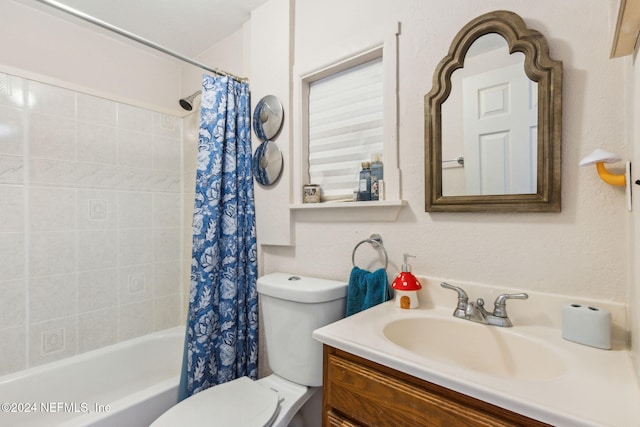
[
  {"x": 633, "y": 126},
  {"x": 581, "y": 251}
]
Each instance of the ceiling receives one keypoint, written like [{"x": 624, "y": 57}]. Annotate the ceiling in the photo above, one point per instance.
[{"x": 187, "y": 27}]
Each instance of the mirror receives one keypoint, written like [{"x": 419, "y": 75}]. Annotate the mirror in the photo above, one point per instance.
[
  {"x": 493, "y": 121},
  {"x": 268, "y": 117},
  {"x": 267, "y": 163}
]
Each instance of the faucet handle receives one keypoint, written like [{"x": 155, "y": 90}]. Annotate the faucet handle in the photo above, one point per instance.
[
  {"x": 500, "y": 305},
  {"x": 463, "y": 299},
  {"x": 462, "y": 295}
]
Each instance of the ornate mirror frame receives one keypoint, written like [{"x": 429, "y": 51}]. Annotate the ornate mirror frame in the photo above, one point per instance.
[{"x": 539, "y": 67}]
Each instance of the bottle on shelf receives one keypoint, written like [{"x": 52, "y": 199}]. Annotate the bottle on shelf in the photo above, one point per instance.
[
  {"x": 364, "y": 183},
  {"x": 377, "y": 174}
]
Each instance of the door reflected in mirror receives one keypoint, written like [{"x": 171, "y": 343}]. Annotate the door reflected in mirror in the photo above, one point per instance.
[
  {"x": 490, "y": 121},
  {"x": 493, "y": 121}
]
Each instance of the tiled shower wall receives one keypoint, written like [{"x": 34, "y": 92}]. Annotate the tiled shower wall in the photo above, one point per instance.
[{"x": 90, "y": 222}]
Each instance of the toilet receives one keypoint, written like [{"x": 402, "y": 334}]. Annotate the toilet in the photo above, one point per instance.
[{"x": 292, "y": 307}]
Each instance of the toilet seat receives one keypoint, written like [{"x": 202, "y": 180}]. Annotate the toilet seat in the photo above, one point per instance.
[{"x": 239, "y": 403}]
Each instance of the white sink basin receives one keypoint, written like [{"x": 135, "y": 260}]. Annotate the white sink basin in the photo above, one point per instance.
[
  {"x": 487, "y": 349},
  {"x": 529, "y": 369}
]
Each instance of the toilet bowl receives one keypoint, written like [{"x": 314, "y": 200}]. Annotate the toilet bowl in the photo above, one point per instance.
[{"x": 292, "y": 307}]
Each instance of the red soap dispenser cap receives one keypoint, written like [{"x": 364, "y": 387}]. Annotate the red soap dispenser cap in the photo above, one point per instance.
[{"x": 406, "y": 281}]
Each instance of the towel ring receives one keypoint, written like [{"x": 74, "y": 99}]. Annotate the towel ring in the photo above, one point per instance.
[{"x": 375, "y": 240}]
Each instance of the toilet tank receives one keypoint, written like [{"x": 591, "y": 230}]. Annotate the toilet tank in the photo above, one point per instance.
[{"x": 292, "y": 308}]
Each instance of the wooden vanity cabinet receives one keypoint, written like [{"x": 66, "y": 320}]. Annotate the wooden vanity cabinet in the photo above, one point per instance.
[{"x": 361, "y": 393}]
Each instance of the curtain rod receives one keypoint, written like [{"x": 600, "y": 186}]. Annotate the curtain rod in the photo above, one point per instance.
[{"x": 131, "y": 36}]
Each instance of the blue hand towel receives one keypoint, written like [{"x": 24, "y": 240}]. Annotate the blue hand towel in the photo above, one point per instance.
[{"x": 366, "y": 289}]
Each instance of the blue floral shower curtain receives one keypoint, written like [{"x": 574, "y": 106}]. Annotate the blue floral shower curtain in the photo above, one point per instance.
[{"x": 221, "y": 343}]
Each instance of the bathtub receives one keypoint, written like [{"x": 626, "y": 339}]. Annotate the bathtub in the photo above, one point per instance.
[{"x": 126, "y": 384}]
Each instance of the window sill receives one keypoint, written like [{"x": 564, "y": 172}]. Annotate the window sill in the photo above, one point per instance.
[{"x": 381, "y": 210}]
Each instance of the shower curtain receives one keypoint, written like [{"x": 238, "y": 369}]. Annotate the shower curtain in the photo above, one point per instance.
[{"x": 221, "y": 341}]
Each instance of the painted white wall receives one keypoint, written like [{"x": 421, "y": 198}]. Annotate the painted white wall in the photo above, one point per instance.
[
  {"x": 230, "y": 54},
  {"x": 581, "y": 251},
  {"x": 271, "y": 63}
]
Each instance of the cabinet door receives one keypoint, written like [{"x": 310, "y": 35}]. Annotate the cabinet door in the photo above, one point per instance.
[{"x": 367, "y": 394}]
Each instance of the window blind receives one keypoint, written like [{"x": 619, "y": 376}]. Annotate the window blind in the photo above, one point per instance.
[{"x": 345, "y": 127}]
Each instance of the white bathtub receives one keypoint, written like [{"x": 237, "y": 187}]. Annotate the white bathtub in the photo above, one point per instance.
[{"x": 126, "y": 384}]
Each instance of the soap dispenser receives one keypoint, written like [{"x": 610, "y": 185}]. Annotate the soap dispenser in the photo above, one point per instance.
[{"x": 406, "y": 286}]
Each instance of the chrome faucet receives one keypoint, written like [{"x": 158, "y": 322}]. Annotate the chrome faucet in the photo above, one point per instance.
[{"x": 477, "y": 313}]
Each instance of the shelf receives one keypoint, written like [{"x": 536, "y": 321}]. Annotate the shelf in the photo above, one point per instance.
[
  {"x": 381, "y": 210},
  {"x": 627, "y": 29}
]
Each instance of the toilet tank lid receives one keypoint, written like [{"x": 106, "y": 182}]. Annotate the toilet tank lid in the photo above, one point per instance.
[{"x": 293, "y": 287}]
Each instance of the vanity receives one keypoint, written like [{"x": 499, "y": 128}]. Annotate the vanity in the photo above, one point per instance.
[
  {"x": 358, "y": 392},
  {"x": 388, "y": 366}
]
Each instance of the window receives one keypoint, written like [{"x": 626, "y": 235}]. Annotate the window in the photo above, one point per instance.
[
  {"x": 345, "y": 112},
  {"x": 345, "y": 128}
]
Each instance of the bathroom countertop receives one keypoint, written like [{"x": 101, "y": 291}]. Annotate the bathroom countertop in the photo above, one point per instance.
[{"x": 598, "y": 388}]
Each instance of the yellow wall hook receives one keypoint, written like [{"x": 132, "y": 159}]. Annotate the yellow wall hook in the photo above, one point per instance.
[
  {"x": 599, "y": 157},
  {"x": 610, "y": 178}
]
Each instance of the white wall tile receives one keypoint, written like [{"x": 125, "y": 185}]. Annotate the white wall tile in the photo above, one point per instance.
[
  {"x": 11, "y": 131},
  {"x": 11, "y": 169},
  {"x": 12, "y": 91},
  {"x": 48, "y": 99},
  {"x": 52, "y": 209},
  {"x": 167, "y": 126},
  {"x": 166, "y": 278},
  {"x": 166, "y": 244},
  {"x": 187, "y": 244},
  {"x": 93, "y": 109},
  {"x": 90, "y": 202},
  {"x": 12, "y": 256},
  {"x": 48, "y": 172},
  {"x": 13, "y": 349},
  {"x": 190, "y": 156},
  {"x": 134, "y": 149},
  {"x": 135, "y": 283},
  {"x": 97, "y": 249},
  {"x": 51, "y": 297},
  {"x": 167, "y": 311},
  {"x": 52, "y": 253},
  {"x": 97, "y": 143},
  {"x": 134, "y": 209},
  {"x": 97, "y": 290},
  {"x": 165, "y": 181},
  {"x": 52, "y": 340},
  {"x": 97, "y": 329},
  {"x": 62, "y": 173},
  {"x": 135, "y": 118},
  {"x": 11, "y": 209},
  {"x": 13, "y": 303},
  {"x": 135, "y": 246},
  {"x": 167, "y": 209},
  {"x": 135, "y": 319},
  {"x": 52, "y": 137},
  {"x": 97, "y": 209},
  {"x": 166, "y": 153}
]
